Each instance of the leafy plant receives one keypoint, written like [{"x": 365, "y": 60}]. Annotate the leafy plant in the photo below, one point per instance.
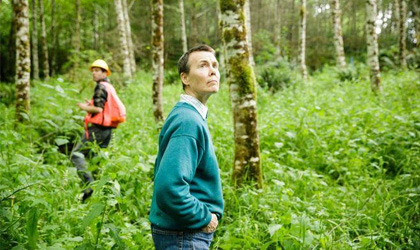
[{"x": 276, "y": 76}]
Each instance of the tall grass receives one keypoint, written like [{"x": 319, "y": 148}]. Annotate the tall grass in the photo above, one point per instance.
[{"x": 341, "y": 169}]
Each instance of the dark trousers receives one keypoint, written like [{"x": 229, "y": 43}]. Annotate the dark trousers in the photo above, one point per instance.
[{"x": 99, "y": 134}]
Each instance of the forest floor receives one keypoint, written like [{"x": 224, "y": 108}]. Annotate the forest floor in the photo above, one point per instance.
[{"x": 341, "y": 168}]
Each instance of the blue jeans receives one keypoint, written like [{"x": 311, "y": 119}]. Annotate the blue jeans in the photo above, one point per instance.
[{"x": 181, "y": 240}]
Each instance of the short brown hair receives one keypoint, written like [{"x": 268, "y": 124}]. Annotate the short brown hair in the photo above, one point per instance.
[{"x": 183, "y": 66}]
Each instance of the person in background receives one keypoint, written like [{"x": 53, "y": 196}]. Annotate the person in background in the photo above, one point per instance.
[{"x": 97, "y": 128}]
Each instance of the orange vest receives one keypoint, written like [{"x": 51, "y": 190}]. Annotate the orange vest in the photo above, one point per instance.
[{"x": 112, "y": 114}]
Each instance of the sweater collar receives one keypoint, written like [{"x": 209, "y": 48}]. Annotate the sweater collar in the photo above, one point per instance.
[{"x": 199, "y": 106}]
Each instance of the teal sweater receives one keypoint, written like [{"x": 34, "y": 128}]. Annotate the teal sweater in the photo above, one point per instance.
[{"x": 187, "y": 186}]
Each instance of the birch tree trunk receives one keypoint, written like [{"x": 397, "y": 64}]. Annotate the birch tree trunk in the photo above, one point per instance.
[
  {"x": 157, "y": 52},
  {"x": 402, "y": 29},
  {"x": 242, "y": 85},
  {"x": 129, "y": 38},
  {"x": 45, "y": 67},
  {"x": 35, "y": 64},
  {"x": 53, "y": 38},
  {"x": 194, "y": 29},
  {"x": 249, "y": 32},
  {"x": 183, "y": 30},
  {"x": 278, "y": 26},
  {"x": 372, "y": 45},
  {"x": 338, "y": 36},
  {"x": 222, "y": 48},
  {"x": 292, "y": 23},
  {"x": 77, "y": 36},
  {"x": 95, "y": 29},
  {"x": 396, "y": 16},
  {"x": 416, "y": 14},
  {"x": 123, "y": 38},
  {"x": 303, "y": 40},
  {"x": 23, "y": 60}
]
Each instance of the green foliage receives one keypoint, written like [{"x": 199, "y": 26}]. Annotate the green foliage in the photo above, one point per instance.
[
  {"x": 352, "y": 73},
  {"x": 340, "y": 166},
  {"x": 172, "y": 77},
  {"x": 388, "y": 58},
  {"x": 7, "y": 94},
  {"x": 277, "y": 75},
  {"x": 263, "y": 48},
  {"x": 31, "y": 227}
]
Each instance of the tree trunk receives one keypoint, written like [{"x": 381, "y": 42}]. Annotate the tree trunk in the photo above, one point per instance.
[
  {"x": 372, "y": 45},
  {"x": 242, "y": 86},
  {"x": 249, "y": 32},
  {"x": 194, "y": 29},
  {"x": 292, "y": 29},
  {"x": 23, "y": 60},
  {"x": 53, "y": 37},
  {"x": 303, "y": 40},
  {"x": 77, "y": 36},
  {"x": 157, "y": 52},
  {"x": 183, "y": 30},
  {"x": 123, "y": 38},
  {"x": 403, "y": 11},
  {"x": 46, "y": 67},
  {"x": 129, "y": 38},
  {"x": 338, "y": 36},
  {"x": 35, "y": 64},
  {"x": 396, "y": 16},
  {"x": 416, "y": 13},
  {"x": 222, "y": 48},
  {"x": 95, "y": 29},
  {"x": 278, "y": 26}
]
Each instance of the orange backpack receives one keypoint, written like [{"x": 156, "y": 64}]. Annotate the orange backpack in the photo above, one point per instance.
[{"x": 112, "y": 114}]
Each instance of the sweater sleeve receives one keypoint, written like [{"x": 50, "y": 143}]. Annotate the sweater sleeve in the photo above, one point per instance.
[{"x": 176, "y": 171}]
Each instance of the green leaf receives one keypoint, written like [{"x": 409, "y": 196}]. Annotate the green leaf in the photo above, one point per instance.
[
  {"x": 75, "y": 239},
  {"x": 102, "y": 182},
  {"x": 113, "y": 231},
  {"x": 59, "y": 89},
  {"x": 31, "y": 227},
  {"x": 272, "y": 229},
  {"x": 51, "y": 123},
  {"x": 93, "y": 213},
  {"x": 60, "y": 141}
]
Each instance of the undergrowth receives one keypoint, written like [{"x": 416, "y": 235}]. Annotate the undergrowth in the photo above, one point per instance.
[{"x": 341, "y": 168}]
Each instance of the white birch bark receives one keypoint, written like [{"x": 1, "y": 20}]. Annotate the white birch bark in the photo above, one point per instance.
[
  {"x": 45, "y": 64},
  {"x": 242, "y": 85},
  {"x": 77, "y": 38},
  {"x": 396, "y": 16},
  {"x": 302, "y": 54},
  {"x": 402, "y": 36},
  {"x": 129, "y": 38},
  {"x": 157, "y": 52},
  {"x": 338, "y": 36},
  {"x": 278, "y": 26},
  {"x": 372, "y": 45},
  {"x": 35, "y": 59},
  {"x": 123, "y": 38},
  {"x": 23, "y": 59},
  {"x": 95, "y": 29},
  {"x": 53, "y": 38},
  {"x": 249, "y": 32},
  {"x": 183, "y": 30}
]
